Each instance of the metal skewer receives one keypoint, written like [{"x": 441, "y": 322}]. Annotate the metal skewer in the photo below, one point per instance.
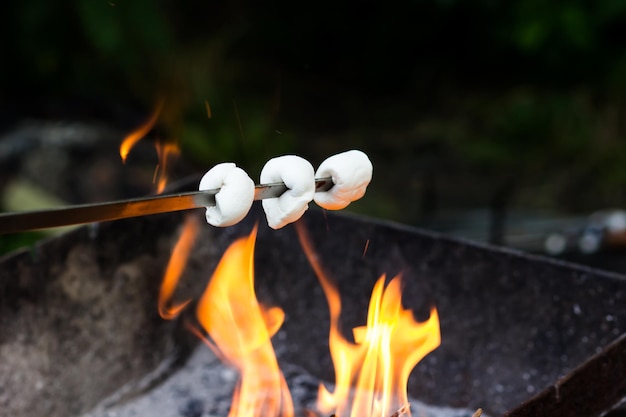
[{"x": 122, "y": 209}]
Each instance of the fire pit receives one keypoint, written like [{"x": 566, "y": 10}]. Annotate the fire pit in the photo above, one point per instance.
[{"x": 521, "y": 335}]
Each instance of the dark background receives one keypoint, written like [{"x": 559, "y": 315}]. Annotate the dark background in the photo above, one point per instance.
[{"x": 482, "y": 118}]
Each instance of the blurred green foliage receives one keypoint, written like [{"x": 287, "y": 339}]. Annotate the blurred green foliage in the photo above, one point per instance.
[{"x": 525, "y": 88}]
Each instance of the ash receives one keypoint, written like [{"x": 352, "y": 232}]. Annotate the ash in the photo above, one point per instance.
[{"x": 203, "y": 388}]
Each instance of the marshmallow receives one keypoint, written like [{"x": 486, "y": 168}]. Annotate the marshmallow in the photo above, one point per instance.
[
  {"x": 235, "y": 195},
  {"x": 351, "y": 172},
  {"x": 297, "y": 174}
]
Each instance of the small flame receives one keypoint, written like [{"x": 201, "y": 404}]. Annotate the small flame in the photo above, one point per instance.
[
  {"x": 175, "y": 267},
  {"x": 166, "y": 151},
  {"x": 240, "y": 329},
  {"x": 371, "y": 374},
  {"x": 136, "y": 135}
]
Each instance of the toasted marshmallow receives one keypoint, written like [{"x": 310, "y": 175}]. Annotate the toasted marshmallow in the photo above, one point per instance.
[
  {"x": 297, "y": 174},
  {"x": 351, "y": 172},
  {"x": 235, "y": 196}
]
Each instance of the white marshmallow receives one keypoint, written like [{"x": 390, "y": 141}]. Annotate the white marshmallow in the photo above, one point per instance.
[
  {"x": 235, "y": 195},
  {"x": 351, "y": 172},
  {"x": 297, "y": 174}
]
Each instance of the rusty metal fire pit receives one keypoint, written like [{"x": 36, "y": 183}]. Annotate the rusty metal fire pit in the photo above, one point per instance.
[{"x": 521, "y": 335}]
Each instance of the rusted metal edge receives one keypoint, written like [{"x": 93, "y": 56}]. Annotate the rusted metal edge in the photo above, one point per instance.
[{"x": 590, "y": 389}]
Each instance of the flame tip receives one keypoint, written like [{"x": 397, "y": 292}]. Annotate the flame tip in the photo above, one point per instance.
[{"x": 165, "y": 150}]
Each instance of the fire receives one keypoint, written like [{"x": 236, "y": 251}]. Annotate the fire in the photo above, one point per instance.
[
  {"x": 240, "y": 329},
  {"x": 136, "y": 135},
  {"x": 371, "y": 374},
  {"x": 165, "y": 150},
  {"x": 175, "y": 267},
  {"x": 383, "y": 354}
]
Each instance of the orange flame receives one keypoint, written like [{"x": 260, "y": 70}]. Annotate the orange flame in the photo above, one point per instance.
[
  {"x": 175, "y": 267},
  {"x": 165, "y": 152},
  {"x": 240, "y": 329},
  {"x": 371, "y": 373},
  {"x": 136, "y": 135},
  {"x": 385, "y": 351}
]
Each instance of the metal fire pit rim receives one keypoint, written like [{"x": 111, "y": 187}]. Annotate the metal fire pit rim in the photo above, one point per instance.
[
  {"x": 517, "y": 253},
  {"x": 595, "y": 375}
]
